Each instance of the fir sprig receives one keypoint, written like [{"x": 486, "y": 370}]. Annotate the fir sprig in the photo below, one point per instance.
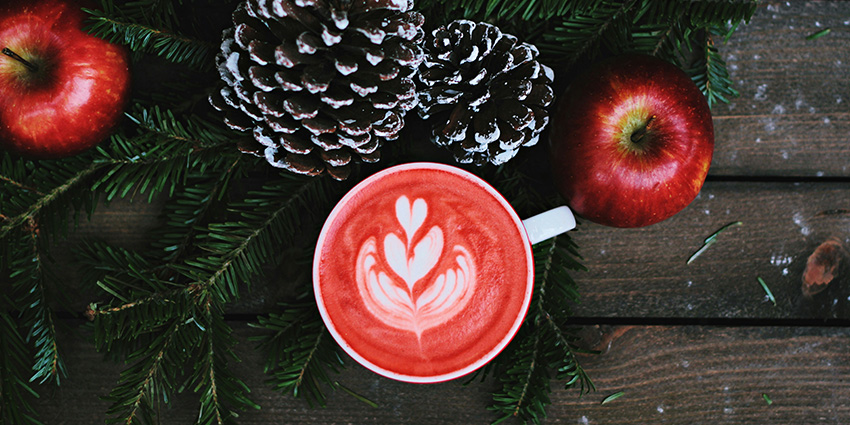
[
  {"x": 544, "y": 348},
  {"x": 708, "y": 69},
  {"x": 15, "y": 388},
  {"x": 161, "y": 153},
  {"x": 142, "y": 38},
  {"x": 151, "y": 378},
  {"x": 46, "y": 195},
  {"x": 236, "y": 251},
  {"x": 222, "y": 393},
  {"x": 300, "y": 351},
  {"x": 29, "y": 278},
  {"x": 583, "y": 34}
]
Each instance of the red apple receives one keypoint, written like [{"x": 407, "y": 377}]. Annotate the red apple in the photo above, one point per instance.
[
  {"x": 61, "y": 89},
  {"x": 632, "y": 141}
]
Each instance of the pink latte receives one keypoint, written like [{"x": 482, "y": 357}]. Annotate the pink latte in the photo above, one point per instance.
[{"x": 423, "y": 272}]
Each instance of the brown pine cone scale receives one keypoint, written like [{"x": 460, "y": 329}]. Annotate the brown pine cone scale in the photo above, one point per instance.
[{"x": 319, "y": 84}]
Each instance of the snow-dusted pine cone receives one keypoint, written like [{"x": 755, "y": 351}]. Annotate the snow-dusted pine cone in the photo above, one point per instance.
[
  {"x": 485, "y": 93},
  {"x": 319, "y": 83}
]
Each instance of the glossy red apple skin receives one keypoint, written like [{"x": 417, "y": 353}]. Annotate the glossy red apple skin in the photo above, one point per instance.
[
  {"x": 605, "y": 176},
  {"x": 79, "y": 93}
]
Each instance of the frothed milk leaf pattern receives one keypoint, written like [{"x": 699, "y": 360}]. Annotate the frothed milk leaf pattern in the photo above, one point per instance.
[{"x": 389, "y": 287}]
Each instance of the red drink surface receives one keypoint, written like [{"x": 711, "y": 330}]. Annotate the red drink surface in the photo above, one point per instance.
[{"x": 423, "y": 273}]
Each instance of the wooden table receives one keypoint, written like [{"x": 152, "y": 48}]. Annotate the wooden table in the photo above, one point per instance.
[{"x": 686, "y": 343}]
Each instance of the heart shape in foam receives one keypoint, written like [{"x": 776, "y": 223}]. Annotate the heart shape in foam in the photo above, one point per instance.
[
  {"x": 410, "y": 216},
  {"x": 427, "y": 251},
  {"x": 445, "y": 294},
  {"x": 423, "y": 272}
]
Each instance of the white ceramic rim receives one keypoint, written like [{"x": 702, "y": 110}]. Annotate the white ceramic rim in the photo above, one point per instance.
[{"x": 529, "y": 289}]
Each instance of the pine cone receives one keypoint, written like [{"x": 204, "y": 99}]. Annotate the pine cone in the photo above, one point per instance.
[
  {"x": 486, "y": 95},
  {"x": 319, "y": 83}
]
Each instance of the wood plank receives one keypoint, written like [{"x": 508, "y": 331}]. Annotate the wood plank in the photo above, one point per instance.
[
  {"x": 77, "y": 400},
  {"x": 793, "y": 113},
  {"x": 703, "y": 375},
  {"x": 643, "y": 272},
  {"x": 675, "y": 375}
]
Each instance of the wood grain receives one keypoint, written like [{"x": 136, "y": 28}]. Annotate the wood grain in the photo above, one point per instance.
[
  {"x": 77, "y": 401},
  {"x": 780, "y": 167},
  {"x": 675, "y": 374},
  {"x": 643, "y": 272},
  {"x": 713, "y": 375},
  {"x": 793, "y": 113}
]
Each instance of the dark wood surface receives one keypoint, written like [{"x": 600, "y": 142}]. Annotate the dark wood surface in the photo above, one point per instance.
[{"x": 687, "y": 343}]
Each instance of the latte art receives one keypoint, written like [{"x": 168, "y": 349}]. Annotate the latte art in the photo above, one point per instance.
[
  {"x": 423, "y": 272},
  {"x": 388, "y": 274}
]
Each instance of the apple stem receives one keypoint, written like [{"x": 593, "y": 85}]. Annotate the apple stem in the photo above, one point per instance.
[
  {"x": 8, "y": 52},
  {"x": 638, "y": 135}
]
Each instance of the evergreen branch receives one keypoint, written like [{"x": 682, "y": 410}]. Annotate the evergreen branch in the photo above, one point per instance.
[
  {"x": 221, "y": 392},
  {"x": 194, "y": 131},
  {"x": 147, "y": 302},
  {"x": 525, "y": 381},
  {"x": 314, "y": 345},
  {"x": 127, "y": 322},
  {"x": 174, "y": 47},
  {"x": 159, "y": 13},
  {"x": 28, "y": 281},
  {"x": 162, "y": 154},
  {"x": 215, "y": 413},
  {"x": 19, "y": 185},
  {"x": 187, "y": 215},
  {"x": 152, "y": 371},
  {"x": 525, "y": 385},
  {"x": 581, "y": 34},
  {"x": 569, "y": 368},
  {"x": 515, "y": 399},
  {"x": 14, "y": 388},
  {"x": 709, "y": 72},
  {"x": 94, "y": 312},
  {"x": 46, "y": 199},
  {"x": 299, "y": 353},
  {"x": 240, "y": 249},
  {"x": 145, "y": 381},
  {"x": 543, "y": 344},
  {"x": 508, "y": 9}
]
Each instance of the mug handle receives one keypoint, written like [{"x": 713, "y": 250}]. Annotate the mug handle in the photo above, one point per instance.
[{"x": 549, "y": 224}]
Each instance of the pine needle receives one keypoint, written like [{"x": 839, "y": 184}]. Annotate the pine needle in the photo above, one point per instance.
[
  {"x": 710, "y": 241},
  {"x": 767, "y": 291},
  {"x": 352, "y": 393},
  {"x": 613, "y": 397},
  {"x": 819, "y": 34}
]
